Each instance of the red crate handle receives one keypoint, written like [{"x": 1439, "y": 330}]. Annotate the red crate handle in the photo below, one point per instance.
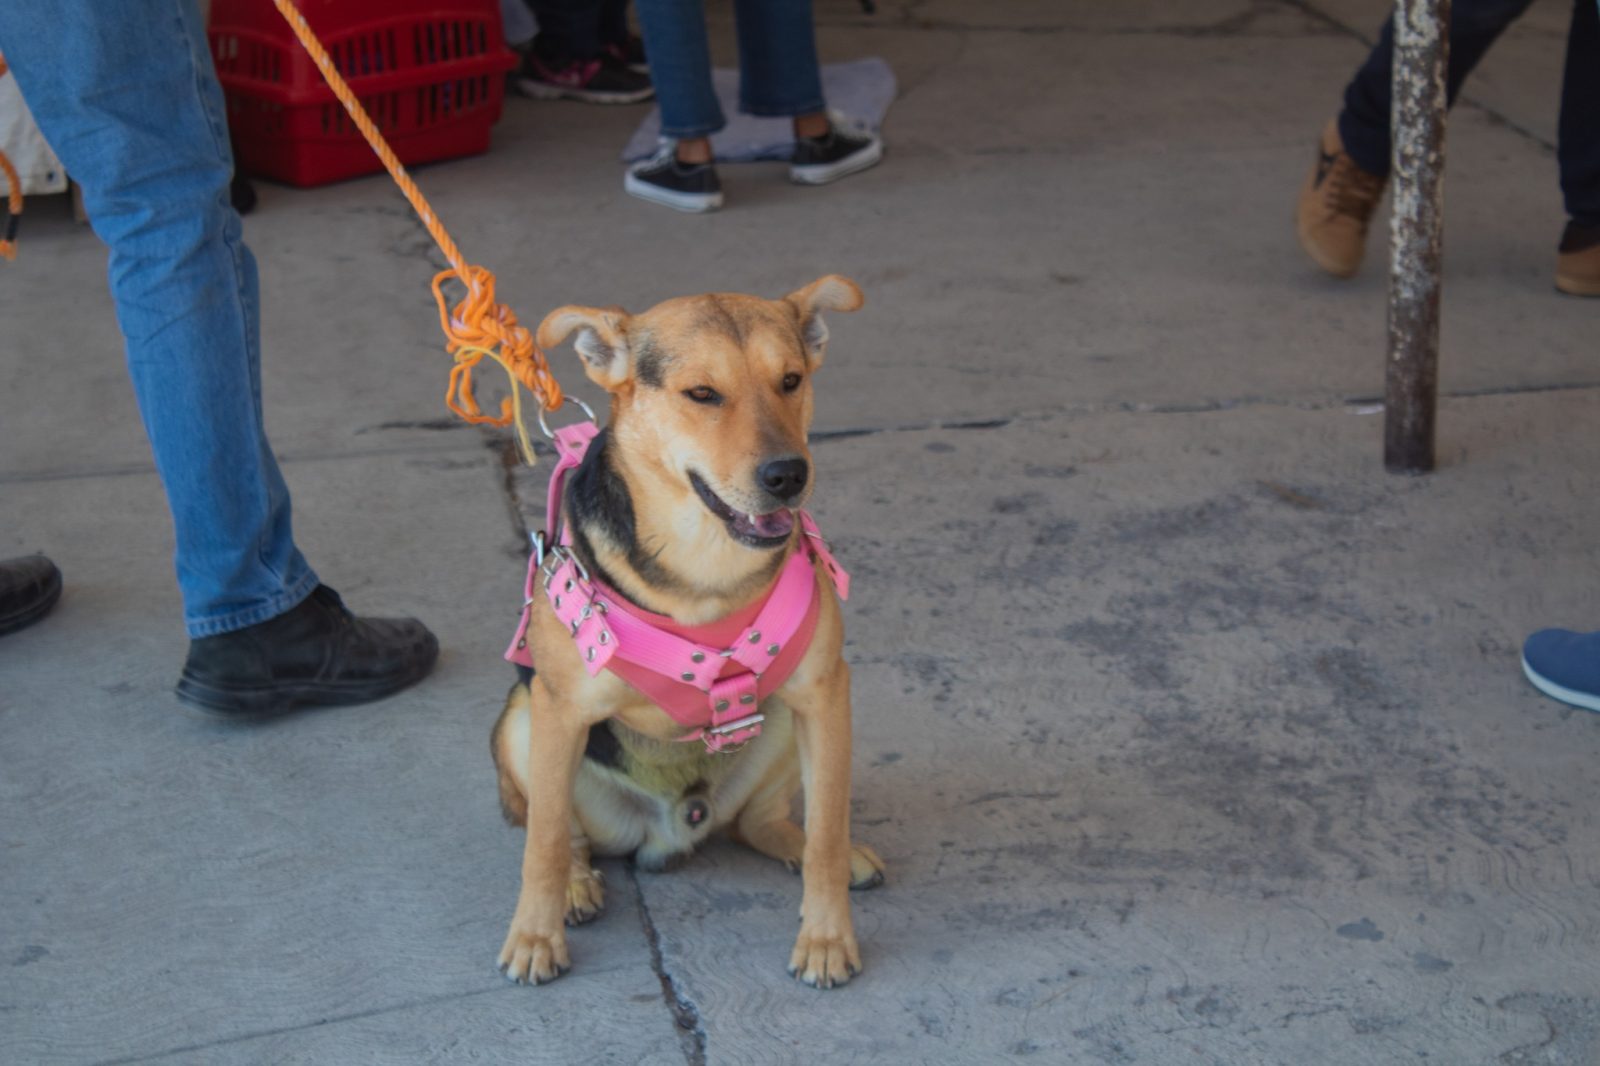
[{"x": 477, "y": 326}]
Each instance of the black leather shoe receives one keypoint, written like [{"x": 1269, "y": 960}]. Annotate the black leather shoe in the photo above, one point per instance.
[
  {"x": 316, "y": 654},
  {"x": 29, "y": 587}
]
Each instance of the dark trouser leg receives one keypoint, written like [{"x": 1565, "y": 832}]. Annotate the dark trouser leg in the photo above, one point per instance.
[
  {"x": 568, "y": 29},
  {"x": 1579, "y": 150},
  {"x": 1364, "y": 122}
]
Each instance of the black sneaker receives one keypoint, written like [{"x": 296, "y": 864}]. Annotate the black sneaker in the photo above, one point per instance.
[
  {"x": 29, "y": 587},
  {"x": 836, "y": 154},
  {"x": 661, "y": 179},
  {"x": 630, "y": 53},
  {"x": 602, "y": 80},
  {"x": 315, "y": 654}
]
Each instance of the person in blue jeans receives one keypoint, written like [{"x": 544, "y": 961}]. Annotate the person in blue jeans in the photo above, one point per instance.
[
  {"x": 1346, "y": 181},
  {"x": 127, "y": 96},
  {"x": 778, "y": 76}
]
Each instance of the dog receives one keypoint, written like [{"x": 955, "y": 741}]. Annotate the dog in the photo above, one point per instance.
[{"x": 685, "y": 510}]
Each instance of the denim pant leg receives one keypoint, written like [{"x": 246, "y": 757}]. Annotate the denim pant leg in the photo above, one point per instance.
[
  {"x": 127, "y": 96},
  {"x": 675, "y": 39},
  {"x": 778, "y": 72},
  {"x": 1364, "y": 122},
  {"x": 1579, "y": 147}
]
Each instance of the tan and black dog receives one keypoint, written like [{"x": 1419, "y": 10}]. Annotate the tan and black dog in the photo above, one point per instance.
[{"x": 683, "y": 506}]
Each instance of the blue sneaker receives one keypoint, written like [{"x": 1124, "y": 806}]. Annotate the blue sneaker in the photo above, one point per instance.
[{"x": 1565, "y": 666}]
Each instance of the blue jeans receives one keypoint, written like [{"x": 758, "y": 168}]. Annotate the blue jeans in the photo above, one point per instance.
[
  {"x": 777, "y": 62},
  {"x": 1474, "y": 26},
  {"x": 126, "y": 94}
]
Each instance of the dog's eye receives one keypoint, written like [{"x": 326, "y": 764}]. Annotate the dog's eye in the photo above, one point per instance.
[
  {"x": 704, "y": 394},
  {"x": 791, "y": 382}
]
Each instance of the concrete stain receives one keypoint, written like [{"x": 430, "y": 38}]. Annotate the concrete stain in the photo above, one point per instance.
[
  {"x": 1362, "y": 930},
  {"x": 1573, "y": 1030}
]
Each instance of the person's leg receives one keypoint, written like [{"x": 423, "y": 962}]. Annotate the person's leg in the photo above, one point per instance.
[
  {"x": 779, "y": 76},
  {"x": 1579, "y": 133},
  {"x": 1364, "y": 121},
  {"x": 569, "y": 28},
  {"x": 1344, "y": 186},
  {"x": 569, "y": 60},
  {"x": 778, "y": 69},
  {"x": 126, "y": 96},
  {"x": 680, "y": 64},
  {"x": 680, "y": 175},
  {"x": 1578, "y": 257}
]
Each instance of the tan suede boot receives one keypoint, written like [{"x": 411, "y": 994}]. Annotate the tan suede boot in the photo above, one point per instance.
[
  {"x": 1336, "y": 203},
  {"x": 1578, "y": 261}
]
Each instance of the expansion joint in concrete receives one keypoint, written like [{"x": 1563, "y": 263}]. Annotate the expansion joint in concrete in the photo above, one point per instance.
[{"x": 685, "y": 1015}]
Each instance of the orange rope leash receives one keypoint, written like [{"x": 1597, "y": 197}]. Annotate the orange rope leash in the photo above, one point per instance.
[
  {"x": 8, "y": 237},
  {"x": 476, "y": 326}
]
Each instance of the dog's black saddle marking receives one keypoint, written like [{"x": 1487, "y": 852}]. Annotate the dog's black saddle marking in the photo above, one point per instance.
[{"x": 603, "y": 746}]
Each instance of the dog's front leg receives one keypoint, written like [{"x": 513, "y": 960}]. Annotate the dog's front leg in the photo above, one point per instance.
[
  {"x": 825, "y": 954},
  {"x": 535, "y": 950}
]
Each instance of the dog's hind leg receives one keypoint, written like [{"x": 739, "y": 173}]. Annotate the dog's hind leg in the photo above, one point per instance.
[
  {"x": 586, "y": 886},
  {"x": 765, "y": 826},
  {"x": 508, "y": 743}
]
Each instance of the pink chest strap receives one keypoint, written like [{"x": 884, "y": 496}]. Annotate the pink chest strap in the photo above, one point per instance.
[{"x": 709, "y": 678}]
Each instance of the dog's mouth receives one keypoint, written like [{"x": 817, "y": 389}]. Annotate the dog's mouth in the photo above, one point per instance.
[{"x": 769, "y": 530}]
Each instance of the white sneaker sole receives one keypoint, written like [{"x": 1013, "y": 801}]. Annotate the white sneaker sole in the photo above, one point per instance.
[
  {"x": 1587, "y": 701},
  {"x": 824, "y": 173},
  {"x": 694, "y": 203},
  {"x": 544, "y": 90}
]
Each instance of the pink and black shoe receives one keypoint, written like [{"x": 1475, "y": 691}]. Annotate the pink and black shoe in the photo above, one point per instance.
[{"x": 601, "y": 80}]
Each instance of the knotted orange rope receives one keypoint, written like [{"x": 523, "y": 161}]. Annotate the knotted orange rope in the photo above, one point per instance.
[
  {"x": 8, "y": 237},
  {"x": 476, "y": 326}
]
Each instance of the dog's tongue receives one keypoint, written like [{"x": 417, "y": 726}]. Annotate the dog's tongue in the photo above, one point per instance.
[{"x": 776, "y": 524}]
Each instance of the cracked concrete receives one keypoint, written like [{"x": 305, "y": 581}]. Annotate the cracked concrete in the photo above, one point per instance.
[{"x": 1187, "y": 734}]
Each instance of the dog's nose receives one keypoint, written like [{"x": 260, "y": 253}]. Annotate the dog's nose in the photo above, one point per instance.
[{"x": 784, "y": 478}]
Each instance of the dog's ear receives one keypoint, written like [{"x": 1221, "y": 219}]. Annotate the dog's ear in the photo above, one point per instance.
[
  {"x": 602, "y": 341},
  {"x": 833, "y": 292}
]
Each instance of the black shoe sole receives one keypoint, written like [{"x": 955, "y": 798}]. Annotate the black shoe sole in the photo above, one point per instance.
[
  {"x": 255, "y": 702},
  {"x": 33, "y": 612}
]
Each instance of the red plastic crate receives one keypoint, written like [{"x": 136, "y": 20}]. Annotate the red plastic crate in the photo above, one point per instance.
[{"x": 431, "y": 76}]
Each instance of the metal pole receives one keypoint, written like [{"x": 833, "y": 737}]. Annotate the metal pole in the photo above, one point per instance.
[{"x": 1421, "y": 49}]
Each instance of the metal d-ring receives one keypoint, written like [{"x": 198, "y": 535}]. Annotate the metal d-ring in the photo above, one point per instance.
[{"x": 587, "y": 410}]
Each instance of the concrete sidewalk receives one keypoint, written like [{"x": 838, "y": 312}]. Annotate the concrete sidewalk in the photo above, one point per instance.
[{"x": 1188, "y": 735}]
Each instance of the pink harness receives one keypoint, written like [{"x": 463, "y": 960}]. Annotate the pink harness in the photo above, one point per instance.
[{"x": 711, "y": 678}]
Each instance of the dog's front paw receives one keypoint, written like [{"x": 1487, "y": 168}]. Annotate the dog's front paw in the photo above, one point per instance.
[
  {"x": 825, "y": 961},
  {"x": 586, "y": 895},
  {"x": 528, "y": 958}
]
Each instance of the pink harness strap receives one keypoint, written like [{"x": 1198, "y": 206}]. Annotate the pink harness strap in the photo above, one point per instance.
[{"x": 708, "y": 678}]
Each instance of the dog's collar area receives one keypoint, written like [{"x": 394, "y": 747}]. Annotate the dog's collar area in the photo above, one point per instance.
[{"x": 712, "y": 678}]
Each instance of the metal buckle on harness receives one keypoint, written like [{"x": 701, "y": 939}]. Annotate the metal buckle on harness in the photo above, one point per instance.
[
  {"x": 558, "y": 555},
  {"x": 738, "y": 726}
]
